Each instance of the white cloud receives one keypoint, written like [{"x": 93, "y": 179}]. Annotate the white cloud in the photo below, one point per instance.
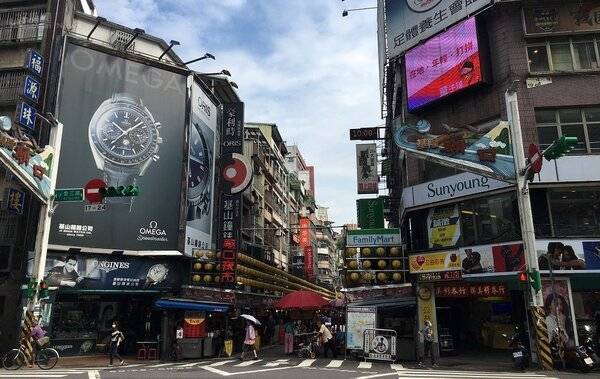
[{"x": 303, "y": 67}]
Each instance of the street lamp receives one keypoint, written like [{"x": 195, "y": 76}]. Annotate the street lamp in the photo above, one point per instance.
[
  {"x": 205, "y": 56},
  {"x": 222, "y": 72},
  {"x": 171, "y": 44},
  {"x": 346, "y": 11}
]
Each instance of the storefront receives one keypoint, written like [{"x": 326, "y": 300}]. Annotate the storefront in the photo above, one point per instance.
[{"x": 88, "y": 292}]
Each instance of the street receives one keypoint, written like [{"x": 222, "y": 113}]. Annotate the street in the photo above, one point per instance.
[{"x": 279, "y": 368}]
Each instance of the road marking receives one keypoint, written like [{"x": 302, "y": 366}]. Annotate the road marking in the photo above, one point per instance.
[
  {"x": 215, "y": 370},
  {"x": 396, "y": 366},
  {"x": 278, "y": 362},
  {"x": 306, "y": 363},
  {"x": 248, "y": 363},
  {"x": 443, "y": 374},
  {"x": 162, "y": 365},
  {"x": 93, "y": 374},
  {"x": 190, "y": 364},
  {"x": 335, "y": 363},
  {"x": 221, "y": 363},
  {"x": 377, "y": 375},
  {"x": 365, "y": 365},
  {"x": 37, "y": 375}
]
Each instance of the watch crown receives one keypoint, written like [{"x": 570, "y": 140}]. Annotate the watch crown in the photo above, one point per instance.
[
  {"x": 158, "y": 125},
  {"x": 155, "y": 158},
  {"x": 159, "y": 140}
]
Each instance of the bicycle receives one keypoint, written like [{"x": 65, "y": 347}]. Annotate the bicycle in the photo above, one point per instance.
[{"x": 45, "y": 358}]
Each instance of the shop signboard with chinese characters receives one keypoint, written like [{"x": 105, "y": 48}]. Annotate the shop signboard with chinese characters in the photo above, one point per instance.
[
  {"x": 236, "y": 174},
  {"x": 34, "y": 62},
  {"x": 434, "y": 262},
  {"x": 201, "y": 169},
  {"x": 129, "y": 131},
  {"x": 486, "y": 259},
  {"x": 306, "y": 246},
  {"x": 482, "y": 150},
  {"x": 108, "y": 272},
  {"x": 14, "y": 201},
  {"x": 465, "y": 290},
  {"x": 439, "y": 276},
  {"x": 409, "y": 22},
  {"x": 366, "y": 168},
  {"x": 562, "y": 18},
  {"x": 443, "y": 226}
]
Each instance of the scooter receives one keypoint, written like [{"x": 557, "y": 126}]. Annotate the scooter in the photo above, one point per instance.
[
  {"x": 590, "y": 345},
  {"x": 575, "y": 357},
  {"x": 520, "y": 354}
]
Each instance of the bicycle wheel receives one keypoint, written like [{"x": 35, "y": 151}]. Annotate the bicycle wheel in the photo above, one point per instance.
[
  {"x": 47, "y": 358},
  {"x": 13, "y": 360}
]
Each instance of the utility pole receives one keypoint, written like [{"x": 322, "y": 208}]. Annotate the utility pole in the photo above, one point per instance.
[{"x": 525, "y": 213}]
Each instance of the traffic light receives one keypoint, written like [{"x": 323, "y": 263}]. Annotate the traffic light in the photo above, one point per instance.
[
  {"x": 523, "y": 277},
  {"x": 535, "y": 281},
  {"x": 120, "y": 191},
  {"x": 43, "y": 290},
  {"x": 560, "y": 147},
  {"x": 31, "y": 288}
]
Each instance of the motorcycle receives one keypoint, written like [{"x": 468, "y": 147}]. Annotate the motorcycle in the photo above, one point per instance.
[
  {"x": 575, "y": 357},
  {"x": 520, "y": 354},
  {"x": 590, "y": 345}
]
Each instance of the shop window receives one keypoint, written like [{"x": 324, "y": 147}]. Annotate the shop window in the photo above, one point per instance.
[
  {"x": 575, "y": 212},
  {"x": 565, "y": 55},
  {"x": 583, "y": 123}
]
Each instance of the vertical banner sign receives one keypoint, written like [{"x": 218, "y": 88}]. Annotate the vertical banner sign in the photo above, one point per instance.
[
  {"x": 366, "y": 167},
  {"x": 201, "y": 169},
  {"x": 370, "y": 213},
  {"x": 443, "y": 226},
  {"x": 306, "y": 246},
  {"x": 234, "y": 180},
  {"x": 309, "y": 271}
]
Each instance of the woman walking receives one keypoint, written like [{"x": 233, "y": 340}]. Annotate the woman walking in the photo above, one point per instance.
[
  {"x": 249, "y": 341},
  {"x": 289, "y": 337}
]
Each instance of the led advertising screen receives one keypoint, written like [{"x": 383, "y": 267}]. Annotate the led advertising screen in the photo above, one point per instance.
[{"x": 445, "y": 64}]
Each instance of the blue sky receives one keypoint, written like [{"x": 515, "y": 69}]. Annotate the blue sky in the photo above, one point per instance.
[{"x": 298, "y": 64}]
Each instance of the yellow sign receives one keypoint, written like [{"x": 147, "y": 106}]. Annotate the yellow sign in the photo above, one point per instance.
[
  {"x": 443, "y": 226},
  {"x": 426, "y": 307},
  {"x": 434, "y": 262},
  {"x": 228, "y": 345},
  {"x": 194, "y": 318}
]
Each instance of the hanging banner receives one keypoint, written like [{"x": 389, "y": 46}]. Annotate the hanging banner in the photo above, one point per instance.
[
  {"x": 370, "y": 213},
  {"x": 560, "y": 316},
  {"x": 485, "y": 152},
  {"x": 366, "y": 168},
  {"x": 443, "y": 226},
  {"x": 567, "y": 18}
]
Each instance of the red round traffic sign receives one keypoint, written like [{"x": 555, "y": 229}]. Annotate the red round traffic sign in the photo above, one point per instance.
[
  {"x": 92, "y": 190},
  {"x": 535, "y": 157}
]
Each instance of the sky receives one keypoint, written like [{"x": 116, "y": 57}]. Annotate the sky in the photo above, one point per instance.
[{"x": 298, "y": 64}]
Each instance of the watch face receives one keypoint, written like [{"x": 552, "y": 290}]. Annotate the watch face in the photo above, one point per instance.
[
  {"x": 199, "y": 170},
  {"x": 157, "y": 273},
  {"x": 125, "y": 134}
]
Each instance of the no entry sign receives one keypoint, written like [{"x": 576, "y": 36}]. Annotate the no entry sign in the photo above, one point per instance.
[{"x": 92, "y": 190}]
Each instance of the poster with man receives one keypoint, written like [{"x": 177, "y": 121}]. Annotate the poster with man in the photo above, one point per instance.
[{"x": 560, "y": 316}]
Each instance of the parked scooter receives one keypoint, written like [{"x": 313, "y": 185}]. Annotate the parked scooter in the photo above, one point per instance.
[
  {"x": 520, "y": 354},
  {"x": 575, "y": 357},
  {"x": 590, "y": 345}
]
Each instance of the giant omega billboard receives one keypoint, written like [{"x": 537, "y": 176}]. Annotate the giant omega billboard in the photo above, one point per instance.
[{"x": 124, "y": 124}]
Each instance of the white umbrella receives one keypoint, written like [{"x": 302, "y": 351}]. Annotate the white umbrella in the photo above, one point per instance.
[{"x": 250, "y": 318}]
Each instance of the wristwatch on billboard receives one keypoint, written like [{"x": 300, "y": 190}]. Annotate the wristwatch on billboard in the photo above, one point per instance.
[
  {"x": 199, "y": 175},
  {"x": 124, "y": 138}
]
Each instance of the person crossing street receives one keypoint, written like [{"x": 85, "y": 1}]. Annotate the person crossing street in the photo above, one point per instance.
[{"x": 116, "y": 338}]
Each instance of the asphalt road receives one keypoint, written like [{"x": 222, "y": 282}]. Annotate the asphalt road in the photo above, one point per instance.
[{"x": 279, "y": 368}]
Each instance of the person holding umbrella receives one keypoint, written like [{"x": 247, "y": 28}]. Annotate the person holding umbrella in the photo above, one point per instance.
[{"x": 250, "y": 338}]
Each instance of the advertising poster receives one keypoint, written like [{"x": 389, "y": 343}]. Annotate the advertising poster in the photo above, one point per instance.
[
  {"x": 357, "y": 320},
  {"x": 124, "y": 124},
  {"x": 201, "y": 172},
  {"x": 445, "y": 64},
  {"x": 434, "y": 262},
  {"x": 91, "y": 271},
  {"x": 485, "y": 259},
  {"x": 566, "y": 18},
  {"x": 443, "y": 226},
  {"x": 560, "y": 318},
  {"x": 366, "y": 168},
  {"x": 567, "y": 254},
  {"x": 409, "y": 22},
  {"x": 485, "y": 151}
]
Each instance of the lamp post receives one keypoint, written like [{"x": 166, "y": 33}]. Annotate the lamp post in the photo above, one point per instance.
[{"x": 346, "y": 11}]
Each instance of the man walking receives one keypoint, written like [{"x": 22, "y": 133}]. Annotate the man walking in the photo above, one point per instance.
[
  {"x": 116, "y": 337},
  {"x": 326, "y": 339},
  {"x": 428, "y": 343}
]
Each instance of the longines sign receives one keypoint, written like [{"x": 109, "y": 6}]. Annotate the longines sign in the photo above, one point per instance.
[{"x": 449, "y": 188}]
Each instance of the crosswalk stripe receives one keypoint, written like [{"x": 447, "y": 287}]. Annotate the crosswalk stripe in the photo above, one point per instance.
[
  {"x": 335, "y": 363},
  {"x": 433, "y": 374},
  {"x": 190, "y": 364},
  {"x": 306, "y": 363},
  {"x": 38, "y": 375},
  {"x": 366, "y": 365},
  {"x": 221, "y": 363},
  {"x": 278, "y": 362},
  {"x": 247, "y": 363},
  {"x": 162, "y": 365},
  {"x": 396, "y": 366}
]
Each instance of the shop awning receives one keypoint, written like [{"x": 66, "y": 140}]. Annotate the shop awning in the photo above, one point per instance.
[
  {"x": 191, "y": 305},
  {"x": 392, "y": 303}
]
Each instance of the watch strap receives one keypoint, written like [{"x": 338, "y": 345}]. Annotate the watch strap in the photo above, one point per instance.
[{"x": 115, "y": 176}]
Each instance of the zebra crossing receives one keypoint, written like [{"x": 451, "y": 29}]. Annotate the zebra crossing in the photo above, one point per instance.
[{"x": 44, "y": 374}]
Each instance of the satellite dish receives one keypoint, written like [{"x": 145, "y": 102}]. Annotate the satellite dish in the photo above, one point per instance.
[{"x": 5, "y": 123}]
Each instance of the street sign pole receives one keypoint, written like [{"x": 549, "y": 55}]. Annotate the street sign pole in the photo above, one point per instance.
[{"x": 45, "y": 216}]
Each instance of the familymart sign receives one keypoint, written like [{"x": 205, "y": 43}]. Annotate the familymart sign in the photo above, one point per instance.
[{"x": 373, "y": 237}]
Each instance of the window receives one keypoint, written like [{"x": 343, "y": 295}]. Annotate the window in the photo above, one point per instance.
[
  {"x": 575, "y": 212},
  {"x": 583, "y": 123},
  {"x": 567, "y": 55}
]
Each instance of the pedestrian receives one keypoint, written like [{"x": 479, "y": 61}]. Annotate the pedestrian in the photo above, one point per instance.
[
  {"x": 116, "y": 337},
  {"x": 39, "y": 339},
  {"x": 249, "y": 341},
  {"x": 326, "y": 339},
  {"x": 428, "y": 343},
  {"x": 289, "y": 337}
]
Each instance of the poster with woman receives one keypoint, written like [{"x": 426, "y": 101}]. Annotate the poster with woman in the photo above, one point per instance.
[{"x": 560, "y": 318}]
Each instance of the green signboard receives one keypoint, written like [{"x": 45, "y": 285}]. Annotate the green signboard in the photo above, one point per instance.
[
  {"x": 68, "y": 194},
  {"x": 370, "y": 213}
]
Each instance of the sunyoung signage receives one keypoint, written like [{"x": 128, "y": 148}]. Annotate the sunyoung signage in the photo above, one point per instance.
[
  {"x": 450, "y": 188},
  {"x": 373, "y": 237}
]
